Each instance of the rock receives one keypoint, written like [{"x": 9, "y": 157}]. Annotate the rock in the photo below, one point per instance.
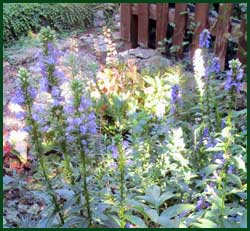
[
  {"x": 64, "y": 45},
  {"x": 116, "y": 35},
  {"x": 143, "y": 53},
  {"x": 144, "y": 58},
  {"x": 26, "y": 56},
  {"x": 156, "y": 62},
  {"x": 124, "y": 55},
  {"x": 86, "y": 40},
  {"x": 137, "y": 52}
]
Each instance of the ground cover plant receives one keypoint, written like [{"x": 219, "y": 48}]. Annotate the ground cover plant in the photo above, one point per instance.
[
  {"x": 20, "y": 19},
  {"x": 134, "y": 149}
]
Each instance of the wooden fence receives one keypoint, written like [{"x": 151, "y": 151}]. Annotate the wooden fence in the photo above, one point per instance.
[{"x": 136, "y": 20}]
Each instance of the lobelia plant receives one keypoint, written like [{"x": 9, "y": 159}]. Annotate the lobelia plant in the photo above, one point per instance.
[
  {"x": 48, "y": 60},
  {"x": 163, "y": 160},
  {"x": 25, "y": 96},
  {"x": 175, "y": 99},
  {"x": 233, "y": 83},
  {"x": 81, "y": 126},
  {"x": 50, "y": 82},
  {"x": 212, "y": 69}
]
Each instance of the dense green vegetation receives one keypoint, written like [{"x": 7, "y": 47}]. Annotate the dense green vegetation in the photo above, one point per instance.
[
  {"x": 163, "y": 148},
  {"x": 20, "y": 18}
]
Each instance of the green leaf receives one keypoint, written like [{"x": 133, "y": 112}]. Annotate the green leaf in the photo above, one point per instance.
[
  {"x": 172, "y": 24},
  {"x": 74, "y": 222},
  {"x": 175, "y": 210},
  {"x": 217, "y": 148},
  {"x": 183, "y": 12},
  {"x": 136, "y": 221},
  {"x": 168, "y": 223},
  {"x": 47, "y": 221},
  {"x": 185, "y": 43},
  {"x": 239, "y": 163},
  {"x": 154, "y": 191},
  {"x": 209, "y": 169},
  {"x": 239, "y": 193},
  {"x": 204, "y": 223},
  {"x": 152, "y": 214},
  {"x": 243, "y": 221},
  {"x": 165, "y": 196},
  {"x": 149, "y": 80},
  {"x": 152, "y": 195},
  {"x": 234, "y": 179},
  {"x": 239, "y": 113},
  {"x": 116, "y": 219},
  {"x": 217, "y": 202},
  {"x": 65, "y": 193}
]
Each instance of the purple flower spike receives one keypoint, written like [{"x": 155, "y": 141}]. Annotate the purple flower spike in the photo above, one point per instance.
[
  {"x": 175, "y": 98},
  {"x": 234, "y": 76},
  {"x": 214, "y": 67},
  {"x": 200, "y": 204},
  {"x": 230, "y": 169},
  {"x": 204, "y": 40}
]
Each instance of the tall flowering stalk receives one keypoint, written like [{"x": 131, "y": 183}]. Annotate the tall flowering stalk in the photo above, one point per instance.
[
  {"x": 175, "y": 99},
  {"x": 47, "y": 58},
  {"x": 199, "y": 73},
  {"x": 204, "y": 43},
  {"x": 25, "y": 96},
  {"x": 81, "y": 126},
  {"x": 121, "y": 167},
  {"x": 213, "y": 68},
  {"x": 121, "y": 153},
  {"x": 204, "y": 39},
  {"x": 50, "y": 82},
  {"x": 225, "y": 167},
  {"x": 233, "y": 82},
  {"x": 204, "y": 77}
]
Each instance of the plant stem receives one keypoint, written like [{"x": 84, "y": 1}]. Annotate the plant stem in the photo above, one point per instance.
[
  {"x": 68, "y": 168},
  {"x": 40, "y": 157},
  {"x": 85, "y": 187},
  {"x": 121, "y": 164}
]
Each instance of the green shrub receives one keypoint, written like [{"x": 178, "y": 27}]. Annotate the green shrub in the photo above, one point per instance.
[{"x": 19, "y": 18}]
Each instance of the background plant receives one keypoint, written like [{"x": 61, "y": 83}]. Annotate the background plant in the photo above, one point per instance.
[{"x": 20, "y": 18}]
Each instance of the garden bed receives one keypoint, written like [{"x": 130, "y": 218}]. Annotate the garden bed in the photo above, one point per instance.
[{"x": 100, "y": 137}]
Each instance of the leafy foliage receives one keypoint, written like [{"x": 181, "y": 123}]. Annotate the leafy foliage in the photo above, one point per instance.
[
  {"x": 120, "y": 156},
  {"x": 20, "y": 18}
]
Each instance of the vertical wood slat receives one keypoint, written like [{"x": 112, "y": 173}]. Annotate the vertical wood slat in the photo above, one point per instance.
[
  {"x": 126, "y": 14},
  {"x": 143, "y": 18},
  {"x": 201, "y": 22},
  {"x": 161, "y": 21},
  {"x": 180, "y": 25},
  {"x": 222, "y": 29},
  {"x": 242, "y": 49}
]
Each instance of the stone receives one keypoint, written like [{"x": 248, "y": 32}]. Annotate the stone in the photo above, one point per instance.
[
  {"x": 143, "y": 53},
  {"x": 116, "y": 35},
  {"x": 124, "y": 55},
  {"x": 155, "y": 62},
  {"x": 64, "y": 45},
  {"x": 26, "y": 56}
]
